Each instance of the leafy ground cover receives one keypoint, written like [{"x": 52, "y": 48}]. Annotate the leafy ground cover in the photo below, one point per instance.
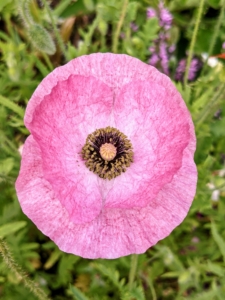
[{"x": 36, "y": 37}]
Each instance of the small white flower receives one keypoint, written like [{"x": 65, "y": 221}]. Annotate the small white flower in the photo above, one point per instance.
[{"x": 215, "y": 195}]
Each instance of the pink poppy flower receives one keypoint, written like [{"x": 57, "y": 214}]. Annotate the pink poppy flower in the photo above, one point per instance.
[{"x": 111, "y": 201}]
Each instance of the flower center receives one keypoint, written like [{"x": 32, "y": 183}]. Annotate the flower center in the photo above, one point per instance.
[{"x": 107, "y": 152}]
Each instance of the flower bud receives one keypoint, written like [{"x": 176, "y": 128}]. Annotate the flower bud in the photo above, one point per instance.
[{"x": 41, "y": 39}]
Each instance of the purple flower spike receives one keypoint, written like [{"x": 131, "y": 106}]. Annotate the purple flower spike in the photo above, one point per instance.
[
  {"x": 180, "y": 70},
  {"x": 165, "y": 18},
  {"x": 223, "y": 45},
  {"x": 153, "y": 60},
  {"x": 195, "y": 66},
  {"x": 151, "y": 13},
  {"x": 161, "y": 51},
  {"x": 164, "y": 58},
  {"x": 172, "y": 48}
]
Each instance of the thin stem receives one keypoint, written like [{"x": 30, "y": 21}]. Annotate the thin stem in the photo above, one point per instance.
[
  {"x": 90, "y": 32},
  {"x": 48, "y": 62},
  {"x": 19, "y": 273},
  {"x": 154, "y": 297},
  {"x": 119, "y": 26},
  {"x": 56, "y": 32},
  {"x": 193, "y": 40},
  {"x": 133, "y": 269},
  {"x": 215, "y": 35}
]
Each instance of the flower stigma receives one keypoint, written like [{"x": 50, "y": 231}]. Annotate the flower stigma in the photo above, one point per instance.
[{"x": 107, "y": 152}]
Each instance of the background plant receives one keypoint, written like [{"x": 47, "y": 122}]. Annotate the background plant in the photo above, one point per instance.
[{"x": 36, "y": 37}]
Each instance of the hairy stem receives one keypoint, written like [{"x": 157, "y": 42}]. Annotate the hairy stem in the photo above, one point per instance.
[
  {"x": 119, "y": 26},
  {"x": 56, "y": 32},
  {"x": 133, "y": 270},
  {"x": 19, "y": 273},
  {"x": 25, "y": 13},
  {"x": 193, "y": 40}
]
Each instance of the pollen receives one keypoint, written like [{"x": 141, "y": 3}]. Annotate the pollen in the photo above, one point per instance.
[{"x": 107, "y": 152}]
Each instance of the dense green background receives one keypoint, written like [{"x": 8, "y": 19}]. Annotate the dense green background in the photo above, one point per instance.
[{"x": 188, "y": 264}]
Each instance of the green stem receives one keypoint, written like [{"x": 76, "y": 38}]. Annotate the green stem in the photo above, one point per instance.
[
  {"x": 19, "y": 273},
  {"x": 215, "y": 35},
  {"x": 89, "y": 34},
  {"x": 193, "y": 40},
  {"x": 119, "y": 26},
  {"x": 133, "y": 270},
  {"x": 48, "y": 62},
  {"x": 56, "y": 32},
  {"x": 154, "y": 297}
]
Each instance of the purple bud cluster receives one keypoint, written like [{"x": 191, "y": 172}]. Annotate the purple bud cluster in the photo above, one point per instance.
[
  {"x": 195, "y": 66},
  {"x": 161, "y": 51}
]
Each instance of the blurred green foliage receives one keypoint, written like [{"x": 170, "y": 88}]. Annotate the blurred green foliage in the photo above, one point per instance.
[{"x": 190, "y": 263}]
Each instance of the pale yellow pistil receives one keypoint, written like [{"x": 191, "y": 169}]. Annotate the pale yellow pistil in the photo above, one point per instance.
[{"x": 108, "y": 151}]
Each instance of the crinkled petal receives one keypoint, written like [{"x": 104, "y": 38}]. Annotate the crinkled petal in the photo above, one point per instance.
[
  {"x": 76, "y": 107},
  {"x": 159, "y": 130},
  {"x": 115, "y": 232},
  {"x": 115, "y": 70}
]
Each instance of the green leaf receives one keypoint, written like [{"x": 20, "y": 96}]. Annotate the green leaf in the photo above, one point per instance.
[
  {"x": 3, "y": 3},
  {"x": 29, "y": 246},
  {"x": 6, "y": 165},
  {"x": 202, "y": 100},
  {"x": 78, "y": 295},
  {"x": 218, "y": 239},
  {"x": 9, "y": 104},
  {"x": 75, "y": 8},
  {"x": 209, "y": 295},
  {"x": 109, "y": 11},
  {"x": 185, "y": 92},
  {"x": 66, "y": 266},
  {"x": 150, "y": 30},
  {"x": 112, "y": 274},
  {"x": 54, "y": 257},
  {"x": 62, "y": 5},
  {"x": 217, "y": 128},
  {"x": 214, "y": 3},
  {"x": 215, "y": 268},
  {"x": 89, "y": 4},
  {"x": 132, "y": 11},
  {"x": 135, "y": 293},
  {"x": 11, "y": 228}
]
